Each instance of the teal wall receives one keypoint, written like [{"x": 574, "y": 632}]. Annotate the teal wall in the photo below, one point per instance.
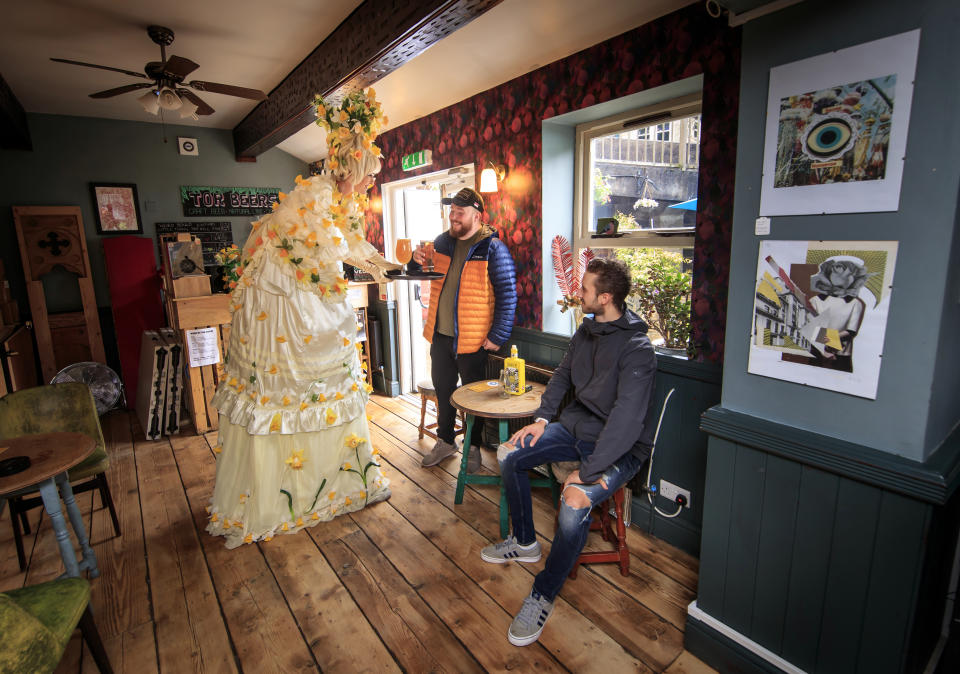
[
  {"x": 918, "y": 402},
  {"x": 70, "y": 152}
]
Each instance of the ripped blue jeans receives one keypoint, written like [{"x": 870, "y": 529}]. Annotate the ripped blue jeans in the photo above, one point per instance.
[{"x": 573, "y": 524}]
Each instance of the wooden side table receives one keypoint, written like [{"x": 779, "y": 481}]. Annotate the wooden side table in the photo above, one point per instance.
[
  {"x": 51, "y": 456},
  {"x": 482, "y": 399}
]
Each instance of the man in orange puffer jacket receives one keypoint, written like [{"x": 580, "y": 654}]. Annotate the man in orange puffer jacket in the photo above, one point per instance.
[{"x": 471, "y": 312}]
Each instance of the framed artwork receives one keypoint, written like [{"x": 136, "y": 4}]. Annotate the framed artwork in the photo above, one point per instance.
[
  {"x": 117, "y": 207},
  {"x": 836, "y": 130},
  {"x": 820, "y": 313}
]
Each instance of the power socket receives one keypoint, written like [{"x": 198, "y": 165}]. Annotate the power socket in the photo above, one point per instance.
[{"x": 671, "y": 491}]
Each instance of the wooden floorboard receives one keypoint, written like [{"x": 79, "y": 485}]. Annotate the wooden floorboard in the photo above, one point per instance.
[{"x": 398, "y": 586}]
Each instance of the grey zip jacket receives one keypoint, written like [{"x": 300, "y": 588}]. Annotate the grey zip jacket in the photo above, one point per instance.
[{"x": 610, "y": 368}]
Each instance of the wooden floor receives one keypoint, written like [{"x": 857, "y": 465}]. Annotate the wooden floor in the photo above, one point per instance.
[{"x": 399, "y": 586}]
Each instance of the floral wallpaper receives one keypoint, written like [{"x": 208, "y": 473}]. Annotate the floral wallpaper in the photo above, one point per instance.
[{"x": 503, "y": 125}]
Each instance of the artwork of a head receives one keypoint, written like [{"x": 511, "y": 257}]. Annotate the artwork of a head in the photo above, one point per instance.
[{"x": 840, "y": 276}]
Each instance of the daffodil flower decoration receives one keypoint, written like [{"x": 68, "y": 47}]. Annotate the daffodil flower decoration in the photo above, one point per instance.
[{"x": 359, "y": 114}]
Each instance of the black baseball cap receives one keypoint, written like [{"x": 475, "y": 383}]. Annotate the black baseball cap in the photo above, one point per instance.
[{"x": 465, "y": 197}]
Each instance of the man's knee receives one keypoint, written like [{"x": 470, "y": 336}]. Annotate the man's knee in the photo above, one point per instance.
[{"x": 575, "y": 497}]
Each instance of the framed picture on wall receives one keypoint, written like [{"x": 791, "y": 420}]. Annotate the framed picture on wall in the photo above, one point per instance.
[
  {"x": 836, "y": 129},
  {"x": 117, "y": 207}
]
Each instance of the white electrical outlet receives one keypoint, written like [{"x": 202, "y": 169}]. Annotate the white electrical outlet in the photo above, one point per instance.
[{"x": 671, "y": 491}]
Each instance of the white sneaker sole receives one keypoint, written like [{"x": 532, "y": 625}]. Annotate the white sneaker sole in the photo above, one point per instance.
[
  {"x": 503, "y": 560},
  {"x": 524, "y": 641}
]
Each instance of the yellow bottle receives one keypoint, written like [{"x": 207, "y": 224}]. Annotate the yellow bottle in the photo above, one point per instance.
[{"x": 514, "y": 369}]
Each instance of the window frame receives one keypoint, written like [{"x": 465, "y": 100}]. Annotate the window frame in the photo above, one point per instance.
[{"x": 659, "y": 113}]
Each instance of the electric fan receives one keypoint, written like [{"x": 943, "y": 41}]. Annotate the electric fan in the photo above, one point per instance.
[{"x": 104, "y": 384}]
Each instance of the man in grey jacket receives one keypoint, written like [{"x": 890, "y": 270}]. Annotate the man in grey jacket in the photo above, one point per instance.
[{"x": 607, "y": 427}]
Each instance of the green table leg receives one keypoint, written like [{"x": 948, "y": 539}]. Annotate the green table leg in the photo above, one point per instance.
[
  {"x": 462, "y": 475},
  {"x": 504, "y": 508}
]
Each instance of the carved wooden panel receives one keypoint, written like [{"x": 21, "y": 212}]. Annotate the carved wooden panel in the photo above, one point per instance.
[{"x": 376, "y": 39}]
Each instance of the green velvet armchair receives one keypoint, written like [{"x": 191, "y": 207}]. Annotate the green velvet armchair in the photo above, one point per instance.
[
  {"x": 50, "y": 409},
  {"x": 37, "y": 621}
]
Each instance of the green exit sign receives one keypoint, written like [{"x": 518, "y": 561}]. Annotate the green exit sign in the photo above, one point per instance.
[{"x": 416, "y": 160}]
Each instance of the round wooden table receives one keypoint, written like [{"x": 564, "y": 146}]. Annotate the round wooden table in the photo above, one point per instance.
[
  {"x": 51, "y": 456},
  {"x": 482, "y": 399}
]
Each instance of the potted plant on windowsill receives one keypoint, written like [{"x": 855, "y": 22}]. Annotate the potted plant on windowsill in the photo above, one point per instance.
[{"x": 660, "y": 293}]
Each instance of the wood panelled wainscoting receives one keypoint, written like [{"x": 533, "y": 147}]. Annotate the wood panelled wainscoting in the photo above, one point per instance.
[
  {"x": 829, "y": 556},
  {"x": 398, "y": 586}
]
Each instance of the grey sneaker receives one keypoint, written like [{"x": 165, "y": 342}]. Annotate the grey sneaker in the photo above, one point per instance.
[
  {"x": 527, "y": 626},
  {"x": 440, "y": 451},
  {"x": 511, "y": 551},
  {"x": 474, "y": 460}
]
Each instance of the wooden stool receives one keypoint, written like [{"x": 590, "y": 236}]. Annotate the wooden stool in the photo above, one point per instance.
[
  {"x": 601, "y": 523},
  {"x": 427, "y": 392}
]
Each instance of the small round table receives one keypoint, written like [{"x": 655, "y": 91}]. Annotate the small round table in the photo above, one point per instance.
[
  {"x": 482, "y": 399},
  {"x": 51, "y": 456}
]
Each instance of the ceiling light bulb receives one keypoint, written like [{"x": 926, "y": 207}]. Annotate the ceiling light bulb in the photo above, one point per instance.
[
  {"x": 149, "y": 102},
  {"x": 188, "y": 109},
  {"x": 488, "y": 180},
  {"x": 168, "y": 99}
]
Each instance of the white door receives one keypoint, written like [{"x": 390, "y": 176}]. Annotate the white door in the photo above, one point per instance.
[{"x": 412, "y": 210}]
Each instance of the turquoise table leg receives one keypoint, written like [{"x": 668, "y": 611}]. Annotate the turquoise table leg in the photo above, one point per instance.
[
  {"x": 51, "y": 503},
  {"x": 462, "y": 475},
  {"x": 504, "y": 508},
  {"x": 89, "y": 560}
]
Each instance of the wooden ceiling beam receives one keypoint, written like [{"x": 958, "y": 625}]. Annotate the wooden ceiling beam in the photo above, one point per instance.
[{"x": 378, "y": 37}]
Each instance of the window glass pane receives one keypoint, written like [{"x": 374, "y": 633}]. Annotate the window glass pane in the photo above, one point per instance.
[{"x": 645, "y": 178}]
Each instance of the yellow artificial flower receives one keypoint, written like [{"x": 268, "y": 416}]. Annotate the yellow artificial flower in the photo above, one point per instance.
[
  {"x": 347, "y": 501},
  {"x": 299, "y": 522},
  {"x": 331, "y": 417},
  {"x": 326, "y": 222},
  {"x": 262, "y": 316},
  {"x": 363, "y": 494},
  {"x": 240, "y": 387},
  {"x": 281, "y": 339},
  {"x": 285, "y": 401},
  {"x": 248, "y": 538},
  {"x": 303, "y": 406},
  {"x": 346, "y": 341},
  {"x": 243, "y": 340},
  {"x": 243, "y": 498},
  {"x": 295, "y": 460},
  {"x": 268, "y": 538},
  {"x": 338, "y": 396},
  {"x": 322, "y": 398},
  {"x": 264, "y": 400},
  {"x": 285, "y": 527},
  {"x": 332, "y": 495},
  {"x": 346, "y": 465},
  {"x": 354, "y": 387},
  {"x": 215, "y": 517},
  {"x": 343, "y": 131},
  {"x": 368, "y": 388},
  {"x": 375, "y": 451},
  {"x": 354, "y": 441},
  {"x": 217, "y": 449},
  {"x": 344, "y": 117},
  {"x": 310, "y": 206},
  {"x": 272, "y": 370},
  {"x": 281, "y": 196},
  {"x": 232, "y": 382},
  {"x": 337, "y": 241},
  {"x": 223, "y": 377},
  {"x": 315, "y": 516},
  {"x": 306, "y": 340},
  {"x": 275, "y": 423}
]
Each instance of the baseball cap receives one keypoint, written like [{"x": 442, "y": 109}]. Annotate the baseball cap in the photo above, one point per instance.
[{"x": 465, "y": 197}]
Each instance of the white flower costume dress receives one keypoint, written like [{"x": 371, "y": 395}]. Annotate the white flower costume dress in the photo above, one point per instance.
[{"x": 294, "y": 445}]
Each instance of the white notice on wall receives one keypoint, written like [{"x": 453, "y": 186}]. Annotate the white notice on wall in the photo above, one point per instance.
[{"x": 202, "y": 347}]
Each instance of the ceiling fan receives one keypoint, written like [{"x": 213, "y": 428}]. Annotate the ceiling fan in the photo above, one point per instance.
[{"x": 166, "y": 85}]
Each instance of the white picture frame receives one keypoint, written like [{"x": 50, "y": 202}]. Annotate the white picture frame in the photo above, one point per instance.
[{"x": 858, "y": 101}]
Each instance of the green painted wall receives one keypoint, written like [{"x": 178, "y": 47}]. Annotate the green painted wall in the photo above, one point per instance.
[
  {"x": 70, "y": 152},
  {"x": 918, "y": 402}
]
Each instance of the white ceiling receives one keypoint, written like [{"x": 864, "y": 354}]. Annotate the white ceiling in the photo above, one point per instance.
[{"x": 251, "y": 43}]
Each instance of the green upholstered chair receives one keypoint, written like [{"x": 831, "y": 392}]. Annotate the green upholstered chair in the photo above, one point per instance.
[
  {"x": 37, "y": 621},
  {"x": 51, "y": 409}
]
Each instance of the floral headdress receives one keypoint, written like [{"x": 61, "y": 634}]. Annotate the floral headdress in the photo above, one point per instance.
[{"x": 351, "y": 129}]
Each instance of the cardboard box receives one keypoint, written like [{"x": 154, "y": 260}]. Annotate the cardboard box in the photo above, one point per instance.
[{"x": 152, "y": 383}]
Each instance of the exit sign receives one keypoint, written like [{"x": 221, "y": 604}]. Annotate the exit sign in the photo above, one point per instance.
[{"x": 416, "y": 160}]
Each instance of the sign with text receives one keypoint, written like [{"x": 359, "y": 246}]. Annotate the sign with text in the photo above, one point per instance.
[
  {"x": 213, "y": 236},
  {"x": 416, "y": 160},
  {"x": 202, "y": 347},
  {"x": 202, "y": 201}
]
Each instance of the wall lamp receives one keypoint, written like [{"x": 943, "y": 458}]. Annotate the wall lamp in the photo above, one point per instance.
[{"x": 490, "y": 176}]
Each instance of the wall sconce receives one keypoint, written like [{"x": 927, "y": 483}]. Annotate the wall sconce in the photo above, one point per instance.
[{"x": 490, "y": 176}]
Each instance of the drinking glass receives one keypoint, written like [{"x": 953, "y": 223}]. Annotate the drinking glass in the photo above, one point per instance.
[
  {"x": 426, "y": 249},
  {"x": 404, "y": 251}
]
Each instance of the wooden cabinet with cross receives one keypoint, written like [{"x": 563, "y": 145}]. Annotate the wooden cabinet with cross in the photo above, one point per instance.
[{"x": 51, "y": 237}]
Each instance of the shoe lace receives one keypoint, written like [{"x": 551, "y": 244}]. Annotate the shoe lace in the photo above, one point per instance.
[
  {"x": 506, "y": 544},
  {"x": 531, "y": 609}
]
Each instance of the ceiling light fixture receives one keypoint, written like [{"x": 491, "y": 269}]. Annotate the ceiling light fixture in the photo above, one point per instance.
[
  {"x": 188, "y": 109},
  {"x": 168, "y": 99},
  {"x": 490, "y": 176},
  {"x": 149, "y": 102}
]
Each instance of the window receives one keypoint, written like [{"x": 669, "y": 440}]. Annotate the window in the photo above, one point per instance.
[{"x": 636, "y": 199}]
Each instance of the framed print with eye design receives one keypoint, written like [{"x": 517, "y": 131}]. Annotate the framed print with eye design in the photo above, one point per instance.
[{"x": 836, "y": 129}]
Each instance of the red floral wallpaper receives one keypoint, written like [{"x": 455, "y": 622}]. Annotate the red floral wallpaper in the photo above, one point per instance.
[{"x": 502, "y": 125}]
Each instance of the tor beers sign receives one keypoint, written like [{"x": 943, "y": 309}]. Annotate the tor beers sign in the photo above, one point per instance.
[{"x": 202, "y": 201}]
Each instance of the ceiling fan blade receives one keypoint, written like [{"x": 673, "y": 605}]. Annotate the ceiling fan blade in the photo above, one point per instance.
[
  {"x": 121, "y": 90},
  {"x": 202, "y": 107},
  {"x": 178, "y": 67},
  {"x": 132, "y": 73},
  {"x": 228, "y": 89}
]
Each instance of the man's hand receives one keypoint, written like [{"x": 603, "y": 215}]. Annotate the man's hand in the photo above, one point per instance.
[
  {"x": 535, "y": 430},
  {"x": 574, "y": 478},
  {"x": 490, "y": 346},
  {"x": 418, "y": 255}
]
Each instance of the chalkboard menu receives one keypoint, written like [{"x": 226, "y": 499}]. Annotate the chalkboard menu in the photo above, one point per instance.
[
  {"x": 202, "y": 201},
  {"x": 213, "y": 236}
]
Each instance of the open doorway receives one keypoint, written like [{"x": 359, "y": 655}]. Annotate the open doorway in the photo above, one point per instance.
[{"x": 412, "y": 210}]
